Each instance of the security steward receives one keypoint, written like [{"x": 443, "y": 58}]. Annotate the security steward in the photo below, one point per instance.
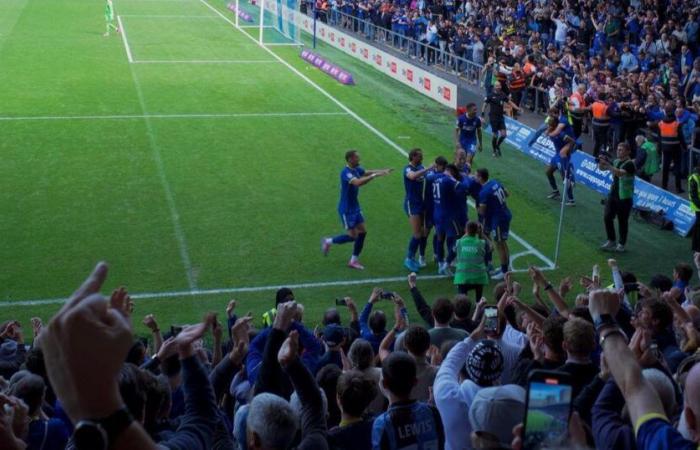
[
  {"x": 672, "y": 147},
  {"x": 601, "y": 124},
  {"x": 694, "y": 197},
  {"x": 578, "y": 109}
]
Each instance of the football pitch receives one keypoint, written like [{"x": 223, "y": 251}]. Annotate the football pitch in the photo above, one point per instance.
[{"x": 203, "y": 166}]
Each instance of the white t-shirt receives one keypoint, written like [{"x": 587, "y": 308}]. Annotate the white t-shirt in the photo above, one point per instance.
[{"x": 560, "y": 32}]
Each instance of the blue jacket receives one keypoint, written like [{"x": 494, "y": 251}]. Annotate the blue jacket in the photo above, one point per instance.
[
  {"x": 610, "y": 431},
  {"x": 365, "y": 331},
  {"x": 310, "y": 357}
]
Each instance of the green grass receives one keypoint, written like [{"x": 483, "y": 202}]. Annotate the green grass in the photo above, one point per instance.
[{"x": 251, "y": 195}]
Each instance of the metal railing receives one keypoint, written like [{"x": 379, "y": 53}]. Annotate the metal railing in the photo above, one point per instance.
[{"x": 436, "y": 54}]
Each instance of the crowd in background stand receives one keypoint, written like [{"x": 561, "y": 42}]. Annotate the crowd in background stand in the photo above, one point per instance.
[{"x": 642, "y": 56}]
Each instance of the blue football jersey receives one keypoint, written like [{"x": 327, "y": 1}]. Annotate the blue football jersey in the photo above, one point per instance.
[
  {"x": 408, "y": 426},
  {"x": 493, "y": 195},
  {"x": 467, "y": 127},
  {"x": 413, "y": 188},
  {"x": 349, "y": 202},
  {"x": 445, "y": 200},
  {"x": 430, "y": 178}
]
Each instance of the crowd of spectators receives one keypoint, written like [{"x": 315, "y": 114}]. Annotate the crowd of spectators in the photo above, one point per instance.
[
  {"x": 378, "y": 381},
  {"x": 641, "y": 55}
]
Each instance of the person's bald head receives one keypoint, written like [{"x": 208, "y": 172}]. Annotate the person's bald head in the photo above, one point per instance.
[{"x": 692, "y": 402}]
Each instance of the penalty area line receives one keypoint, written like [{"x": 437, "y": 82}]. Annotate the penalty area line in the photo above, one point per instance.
[
  {"x": 125, "y": 40},
  {"x": 221, "y": 291}
]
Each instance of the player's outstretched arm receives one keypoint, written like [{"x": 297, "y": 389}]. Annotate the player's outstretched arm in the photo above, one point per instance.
[{"x": 415, "y": 175}]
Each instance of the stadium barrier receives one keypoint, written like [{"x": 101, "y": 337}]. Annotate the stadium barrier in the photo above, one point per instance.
[
  {"x": 437, "y": 55},
  {"x": 586, "y": 172},
  {"x": 242, "y": 14},
  {"x": 409, "y": 74},
  {"x": 343, "y": 76}
]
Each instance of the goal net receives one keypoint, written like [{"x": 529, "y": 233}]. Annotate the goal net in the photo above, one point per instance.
[{"x": 272, "y": 22}]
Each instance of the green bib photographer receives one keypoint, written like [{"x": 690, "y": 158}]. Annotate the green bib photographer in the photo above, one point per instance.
[{"x": 619, "y": 202}]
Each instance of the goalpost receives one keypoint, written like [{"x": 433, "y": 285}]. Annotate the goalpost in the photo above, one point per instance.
[{"x": 276, "y": 21}]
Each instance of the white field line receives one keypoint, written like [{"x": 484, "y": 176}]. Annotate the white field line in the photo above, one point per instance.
[
  {"x": 282, "y": 44},
  {"x": 222, "y": 291},
  {"x": 208, "y": 61},
  {"x": 257, "y": 27},
  {"x": 169, "y": 198},
  {"x": 169, "y": 16},
  {"x": 173, "y": 116},
  {"x": 124, "y": 39},
  {"x": 524, "y": 243},
  {"x": 359, "y": 119},
  {"x": 314, "y": 85}
]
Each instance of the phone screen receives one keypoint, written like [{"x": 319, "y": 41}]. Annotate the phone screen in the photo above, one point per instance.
[
  {"x": 547, "y": 415},
  {"x": 491, "y": 322}
]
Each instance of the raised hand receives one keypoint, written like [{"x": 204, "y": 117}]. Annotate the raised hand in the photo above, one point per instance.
[
  {"x": 412, "y": 280},
  {"x": 36, "y": 326},
  {"x": 350, "y": 303},
  {"x": 85, "y": 345},
  {"x": 286, "y": 312},
  {"x": 150, "y": 322},
  {"x": 376, "y": 294},
  {"x": 230, "y": 308},
  {"x": 241, "y": 329},
  {"x": 167, "y": 349},
  {"x": 289, "y": 351},
  {"x": 565, "y": 286},
  {"x": 603, "y": 301},
  {"x": 192, "y": 333},
  {"x": 12, "y": 414},
  {"x": 217, "y": 330},
  {"x": 536, "y": 276},
  {"x": 121, "y": 301}
]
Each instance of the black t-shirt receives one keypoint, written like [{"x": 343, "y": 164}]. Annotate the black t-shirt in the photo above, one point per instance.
[
  {"x": 581, "y": 375},
  {"x": 496, "y": 103}
]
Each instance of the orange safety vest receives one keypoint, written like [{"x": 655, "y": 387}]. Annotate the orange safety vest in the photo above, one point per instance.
[
  {"x": 581, "y": 104},
  {"x": 669, "y": 132},
  {"x": 600, "y": 114}
]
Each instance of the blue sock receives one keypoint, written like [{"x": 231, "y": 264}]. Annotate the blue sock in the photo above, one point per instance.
[
  {"x": 343, "y": 239},
  {"x": 488, "y": 255},
  {"x": 359, "y": 243},
  {"x": 504, "y": 268},
  {"x": 422, "y": 246},
  {"x": 412, "y": 247},
  {"x": 450, "y": 249}
]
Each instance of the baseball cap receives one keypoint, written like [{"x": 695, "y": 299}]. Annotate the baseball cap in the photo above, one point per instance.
[
  {"x": 496, "y": 410},
  {"x": 333, "y": 334},
  {"x": 485, "y": 363}
]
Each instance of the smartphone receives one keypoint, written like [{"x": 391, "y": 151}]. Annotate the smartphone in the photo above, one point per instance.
[
  {"x": 547, "y": 410},
  {"x": 340, "y": 302},
  {"x": 491, "y": 322},
  {"x": 388, "y": 295}
]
